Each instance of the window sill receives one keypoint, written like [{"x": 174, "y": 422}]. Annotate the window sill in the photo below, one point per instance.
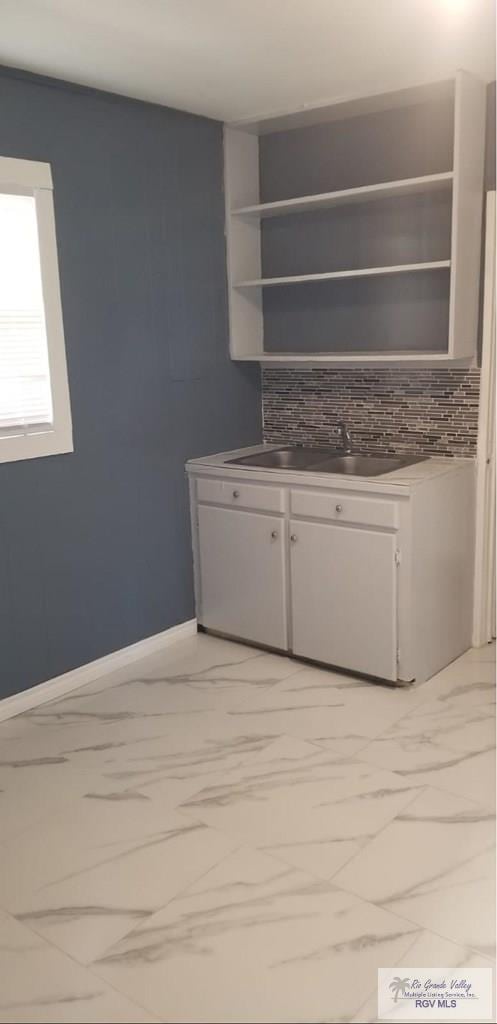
[{"x": 35, "y": 446}]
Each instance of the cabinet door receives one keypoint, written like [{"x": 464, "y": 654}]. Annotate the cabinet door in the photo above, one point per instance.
[
  {"x": 242, "y": 574},
  {"x": 344, "y": 597}
]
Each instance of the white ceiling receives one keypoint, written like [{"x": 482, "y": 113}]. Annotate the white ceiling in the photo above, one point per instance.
[{"x": 237, "y": 58}]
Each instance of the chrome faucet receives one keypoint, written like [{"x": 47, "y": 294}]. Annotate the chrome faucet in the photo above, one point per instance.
[{"x": 346, "y": 438}]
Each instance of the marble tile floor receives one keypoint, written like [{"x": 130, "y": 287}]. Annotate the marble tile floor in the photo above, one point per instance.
[{"x": 221, "y": 834}]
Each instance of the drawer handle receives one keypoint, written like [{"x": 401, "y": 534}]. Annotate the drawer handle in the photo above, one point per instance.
[
  {"x": 236, "y": 494},
  {"x": 274, "y": 534},
  {"x": 338, "y": 508},
  {"x": 293, "y": 538}
]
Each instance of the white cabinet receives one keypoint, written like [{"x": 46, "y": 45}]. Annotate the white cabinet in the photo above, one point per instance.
[
  {"x": 344, "y": 596},
  {"x": 242, "y": 574},
  {"x": 377, "y": 578}
]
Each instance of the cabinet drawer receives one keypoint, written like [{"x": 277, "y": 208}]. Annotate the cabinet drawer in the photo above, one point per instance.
[
  {"x": 236, "y": 494},
  {"x": 344, "y": 507}
]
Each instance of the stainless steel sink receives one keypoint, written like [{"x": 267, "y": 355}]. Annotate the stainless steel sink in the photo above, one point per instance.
[
  {"x": 318, "y": 460},
  {"x": 364, "y": 465},
  {"x": 284, "y": 458}
]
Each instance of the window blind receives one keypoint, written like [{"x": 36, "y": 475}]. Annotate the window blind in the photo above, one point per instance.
[{"x": 25, "y": 393}]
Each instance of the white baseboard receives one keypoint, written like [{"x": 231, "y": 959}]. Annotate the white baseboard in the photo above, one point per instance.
[{"x": 58, "y": 687}]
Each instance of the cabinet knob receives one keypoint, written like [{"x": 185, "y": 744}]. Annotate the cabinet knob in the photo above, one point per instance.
[
  {"x": 338, "y": 508},
  {"x": 274, "y": 534},
  {"x": 293, "y": 537},
  {"x": 236, "y": 494}
]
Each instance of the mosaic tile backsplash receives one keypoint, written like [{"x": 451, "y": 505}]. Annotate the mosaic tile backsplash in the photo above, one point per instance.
[{"x": 424, "y": 412}]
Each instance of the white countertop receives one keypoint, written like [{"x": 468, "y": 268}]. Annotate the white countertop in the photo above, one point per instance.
[{"x": 397, "y": 482}]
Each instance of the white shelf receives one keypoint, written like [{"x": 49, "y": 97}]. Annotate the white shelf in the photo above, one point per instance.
[
  {"x": 338, "y": 110},
  {"x": 325, "y": 200},
  {"x": 391, "y": 358},
  {"x": 402, "y": 268}
]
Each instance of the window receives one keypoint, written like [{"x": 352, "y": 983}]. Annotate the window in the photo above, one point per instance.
[{"x": 35, "y": 414}]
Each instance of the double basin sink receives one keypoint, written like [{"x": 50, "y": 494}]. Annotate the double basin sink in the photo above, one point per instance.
[{"x": 319, "y": 460}]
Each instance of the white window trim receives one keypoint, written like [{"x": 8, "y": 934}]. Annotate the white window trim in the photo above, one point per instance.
[{"x": 31, "y": 177}]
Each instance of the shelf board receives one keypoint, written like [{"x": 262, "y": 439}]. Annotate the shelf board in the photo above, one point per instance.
[
  {"x": 401, "y": 268},
  {"x": 324, "y": 200},
  {"x": 391, "y": 358},
  {"x": 342, "y": 109}
]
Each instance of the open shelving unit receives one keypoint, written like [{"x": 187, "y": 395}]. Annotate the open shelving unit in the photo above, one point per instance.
[{"x": 328, "y": 258}]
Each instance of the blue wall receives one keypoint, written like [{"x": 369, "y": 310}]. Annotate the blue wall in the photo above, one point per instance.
[{"x": 95, "y": 546}]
